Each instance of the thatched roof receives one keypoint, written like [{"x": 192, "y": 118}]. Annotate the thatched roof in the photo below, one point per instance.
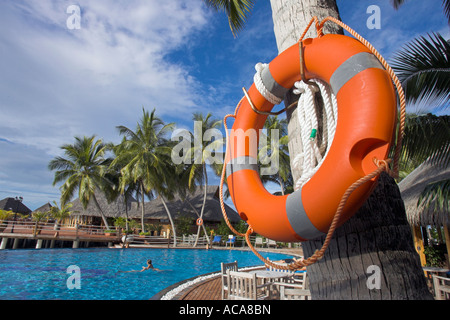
[
  {"x": 45, "y": 208},
  {"x": 155, "y": 210},
  {"x": 412, "y": 186},
  {"x": 14, "y": 205},
  {"x": 188, "y": 207},
  {"x": 113, "y": 209}
]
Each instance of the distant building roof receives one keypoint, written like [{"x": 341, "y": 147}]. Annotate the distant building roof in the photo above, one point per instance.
[
  {"x": 412, "y": 186},
  {"x": 14, "y": 205},
  {"x": 45, "y": 208},
  {"x": 154, "y": 209}
]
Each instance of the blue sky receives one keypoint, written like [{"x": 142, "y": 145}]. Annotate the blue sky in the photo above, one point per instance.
[{"x": 176, "y": 56}]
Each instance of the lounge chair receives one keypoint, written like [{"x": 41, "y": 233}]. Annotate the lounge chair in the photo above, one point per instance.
[
  {"x": 217, "y": 240},
  {"x": 271, "y": 243},
  {"x": 231, "y": 241},
  {"x": 259, "y": 241}
]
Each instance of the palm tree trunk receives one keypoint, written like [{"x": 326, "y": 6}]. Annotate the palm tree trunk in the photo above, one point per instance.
[
  {"x": 204, "y": 203},
  {"x": 378, "y": 237},
  {"x": 170, "y": 219},
  {"x": 280, "y": 181},
  {"x": 101, "y": 212},
  {"x": 142, "y": 208}
]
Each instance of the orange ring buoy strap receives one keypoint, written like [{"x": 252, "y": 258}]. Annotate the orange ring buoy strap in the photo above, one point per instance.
[{"x": 365, "y": 126}]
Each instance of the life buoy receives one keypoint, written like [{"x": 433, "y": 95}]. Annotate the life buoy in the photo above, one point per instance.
[
  {"x": 199, "y": 221},
  {"x": 365, "y": 129}
]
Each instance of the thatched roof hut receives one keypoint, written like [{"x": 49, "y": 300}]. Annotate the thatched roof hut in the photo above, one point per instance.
[
  {"x": 113, "y": 209},
  {"x": 189, "y": 207},
  {"x": 14, "y": 205},
  {"x": 45, "y": 208},
  {"x": 412, "y": 186},
  {"x": 420, "y": 216},
  {"x": 154, "y": 210}
]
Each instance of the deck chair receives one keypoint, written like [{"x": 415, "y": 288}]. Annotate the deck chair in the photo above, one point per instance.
[
  {"x": 243, "y": 286},
  {"x": 441, "y": 287},
  {"x": 259, "y": 241},
  {"x": 217, "y": 240},
  {"x": 233, "y": 266},
  {"x": 291, "y": 291},
  {"x": 231, "y": 241},
  {"x": 301, "y": 278},
  {"x": 271, "y": 242}
]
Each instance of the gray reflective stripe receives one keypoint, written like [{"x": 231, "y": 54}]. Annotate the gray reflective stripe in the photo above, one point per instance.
[
  {"x": 350, "y": 68},
  {"x": 271, "y": 85},
  {"x": 298, "y": 219},
  {"x": 241, "y": 163}
]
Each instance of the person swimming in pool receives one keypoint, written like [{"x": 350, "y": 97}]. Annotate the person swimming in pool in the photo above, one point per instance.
[{"x": 148, "y": 266}]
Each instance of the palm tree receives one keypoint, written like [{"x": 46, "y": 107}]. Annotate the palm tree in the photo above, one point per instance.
[
  {"x": 144, "y": 155},
  {"x": 276, "y": 150},
  {"x": 38, "y": 216},
  {"x": 378, "y": 234},
  {"x": 60, "y": 213},
  {"x": 84, "y": 169},
  {"x": 423, "y": 67},
  {"x": 200, "y": 154}
]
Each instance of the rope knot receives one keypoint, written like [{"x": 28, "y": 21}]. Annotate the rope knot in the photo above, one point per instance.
[{"x": 384, "y": 164}]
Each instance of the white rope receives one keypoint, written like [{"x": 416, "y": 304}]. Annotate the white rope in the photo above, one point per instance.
[
  {"x": 313, "y": 155},
  {"x": 260, "y": 85}
]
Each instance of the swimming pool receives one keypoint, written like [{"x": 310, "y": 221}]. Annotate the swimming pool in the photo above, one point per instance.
[{"x": 42, "y": 274}]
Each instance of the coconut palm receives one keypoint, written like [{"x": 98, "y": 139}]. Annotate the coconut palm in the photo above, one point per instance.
[
  {"x": 38, "y": 216},
  {"x": 276, "y": 150},
  {"x": 59, "y": 213},
  {"x": 365, "y": 234},
  {"x": 144, "y": 155},
  {"x": 423, "y": 67},
  {"x": 84, "y": 169},
  {"x": 199, "y": 155}
]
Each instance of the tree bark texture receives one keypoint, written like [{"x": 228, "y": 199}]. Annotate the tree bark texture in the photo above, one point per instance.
[
  {"x": 290, "y": 18},
  {"x": 377, "y": 235}
]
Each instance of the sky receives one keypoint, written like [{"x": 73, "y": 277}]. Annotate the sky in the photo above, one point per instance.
[{"x": 60, "y": 79}]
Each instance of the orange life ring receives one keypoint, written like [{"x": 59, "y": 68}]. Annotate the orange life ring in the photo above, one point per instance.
[
  {"x": 199, "y": 221},
  {"x": 365, "y": 129}
]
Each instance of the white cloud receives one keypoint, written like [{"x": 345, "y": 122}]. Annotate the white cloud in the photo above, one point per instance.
[
  {"x": 67, "y": 82},
  {"x": 57, "y": 83}
]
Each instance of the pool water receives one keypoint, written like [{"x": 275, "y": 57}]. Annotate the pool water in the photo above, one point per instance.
[{"x": 43, "y": 274}]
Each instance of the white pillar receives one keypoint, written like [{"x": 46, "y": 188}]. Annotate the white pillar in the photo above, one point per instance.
[
  {"x": 75, "y": 244},
  {"x": 39, "y": 244},
  {"x": 4, "y": 243}
]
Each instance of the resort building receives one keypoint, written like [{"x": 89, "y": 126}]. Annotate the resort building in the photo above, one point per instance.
[
  {"x": 15, "y": 205},
  {"x": 154, "y": 210}
]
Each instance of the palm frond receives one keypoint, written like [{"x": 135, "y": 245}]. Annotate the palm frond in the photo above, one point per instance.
[
  {"x": 423, "y": 67},
  {"x": 436, "y": 194},
  {"x": 237, "y": 11},
  {"x": 427, "y": 136}
]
